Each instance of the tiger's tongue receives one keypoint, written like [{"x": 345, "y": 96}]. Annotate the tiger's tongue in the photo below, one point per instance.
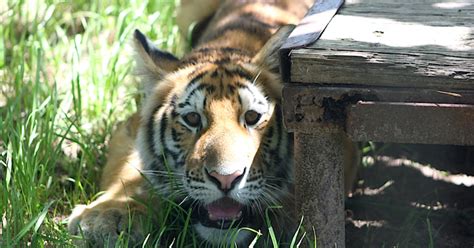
[{"x": 224, "y": 209}]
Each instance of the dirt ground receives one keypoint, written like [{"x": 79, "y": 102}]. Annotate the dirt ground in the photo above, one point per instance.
[{"x": 413, "y": 196}]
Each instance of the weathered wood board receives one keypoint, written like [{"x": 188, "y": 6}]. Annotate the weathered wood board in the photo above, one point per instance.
[
  {"x": 435, "y": 123},
  {"x": 385, "y": 43},
  {"x": 306, "y": 105},
  {"x": 382, "y": 70}
]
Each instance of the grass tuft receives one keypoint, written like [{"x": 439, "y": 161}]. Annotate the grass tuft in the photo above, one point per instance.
[{"x": 65, "y": 80}]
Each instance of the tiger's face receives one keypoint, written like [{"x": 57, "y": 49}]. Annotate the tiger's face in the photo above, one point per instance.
[{"x": 215, "y": 124}]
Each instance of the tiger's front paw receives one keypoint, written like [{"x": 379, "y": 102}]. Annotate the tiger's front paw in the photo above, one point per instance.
[{"x": 104, "y": 227}]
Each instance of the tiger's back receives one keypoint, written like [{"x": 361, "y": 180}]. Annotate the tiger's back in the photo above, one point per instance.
[{"x": 243, "y": 24}]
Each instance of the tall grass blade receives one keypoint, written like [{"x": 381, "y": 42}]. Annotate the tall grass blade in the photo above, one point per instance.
[
  {"x": 430, "y": 233},
  {"x": 271, "y": 232},
  {"x": 295, "y": 235},
  {"x": 36, "y": 222}
]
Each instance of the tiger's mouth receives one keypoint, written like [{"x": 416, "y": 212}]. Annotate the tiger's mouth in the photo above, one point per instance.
[{"x": 224, "y": 213}]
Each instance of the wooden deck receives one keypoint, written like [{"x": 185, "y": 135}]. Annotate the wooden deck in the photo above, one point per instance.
[
  {"x": 382, "y": 70},
  {"x": 399, "y": 45}
]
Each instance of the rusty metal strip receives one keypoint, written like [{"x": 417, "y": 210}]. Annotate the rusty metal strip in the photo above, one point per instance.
[
  {"x": 421, "y": 123},
  {"x": 308, "y": 31}
]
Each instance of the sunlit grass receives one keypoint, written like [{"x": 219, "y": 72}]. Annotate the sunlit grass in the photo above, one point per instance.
[{"x": 65, "y": 81}]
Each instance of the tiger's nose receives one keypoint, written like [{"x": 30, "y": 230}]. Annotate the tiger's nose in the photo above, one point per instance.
[{"x": 226, "y": 182}]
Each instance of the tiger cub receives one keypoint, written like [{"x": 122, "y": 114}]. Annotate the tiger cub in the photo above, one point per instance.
[{"x": 212, "y": 120}]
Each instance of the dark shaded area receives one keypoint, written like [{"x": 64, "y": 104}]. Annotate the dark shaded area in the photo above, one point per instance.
[
  {"x": 396, "y": 204},
  {"x": 335, "y": 109}
]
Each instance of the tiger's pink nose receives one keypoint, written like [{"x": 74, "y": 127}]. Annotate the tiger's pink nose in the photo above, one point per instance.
[{"x": 226, "y": 182}]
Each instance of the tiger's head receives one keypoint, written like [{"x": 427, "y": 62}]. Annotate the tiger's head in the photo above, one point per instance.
[{"x": 212, "y": 119}]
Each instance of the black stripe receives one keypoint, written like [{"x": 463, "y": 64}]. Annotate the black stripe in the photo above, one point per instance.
[
  {"x": 175, "y": 114},
  {"x": 245, "y": 26},
  {"x": 175, "y": 135},
  {"x": 231, "y": 50},
  {"x": 184, "y": 104},
  {"x": 222, "y": 61},
  {"x": 270, "y": 132},
  {"x": 239, "y": 72},
  {"x": 180, "y": 163},
  {"x": 223, "y": 50},
  {"x": 252, "y": 93},
  {"x": 150, "y": 132},
  {"x": 241, "y": 86},
  {"x": 250, "y": 17},
  {"x": 209, "y": 88},
  {"x": 231, "y": 89},
  {"x": 277, "y": 157},
  {"x": 158, "y": 159},
  {"x": 204, "y": 102},
  {"x": 214, "y": 74},
  {"x": 216, "y": 55},
  {"x": 166, "y": 151},
  {"x": 194, "y": 80},
  {"x": 184, "y": 126},
  {"x": 163, "y": 124},
  {"x": 174, "y": 98}
]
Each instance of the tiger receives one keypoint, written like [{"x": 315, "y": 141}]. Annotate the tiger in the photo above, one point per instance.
[{"x": 212, "y": 120}]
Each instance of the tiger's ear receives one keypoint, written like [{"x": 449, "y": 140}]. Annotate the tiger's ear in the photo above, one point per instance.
[
  {"x": 152, "y": 63},
  {"x": 268, "y": 56}
]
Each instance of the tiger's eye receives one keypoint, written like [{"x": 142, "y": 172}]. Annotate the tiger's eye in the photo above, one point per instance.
[
  {"x": 193, "y": 119},
  {"x": 252, "y": 117}
]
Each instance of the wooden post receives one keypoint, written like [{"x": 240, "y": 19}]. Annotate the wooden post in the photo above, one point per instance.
[{"x": 319, "y": 185}]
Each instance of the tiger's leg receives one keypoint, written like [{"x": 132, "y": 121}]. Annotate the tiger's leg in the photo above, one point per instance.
[{"x": 103, "y": 220}]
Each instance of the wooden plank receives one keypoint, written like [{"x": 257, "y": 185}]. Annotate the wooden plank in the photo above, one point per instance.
[
  {"x": 308, "y": 31},
  {"x": 419, "y": 123},
  {"x": 448, "y": 27},
  {"x": 427, "y": 117},
  {"x": 398, "y": 30},
  {"x": 305, "y": 106},
  {"x": 379, "y": 43},
  {"x": 379, "y": 48},
  {"x": 382, "y": 69},
  {"x": 449, "y": 3},
  {"x": 432, "y": 13}
]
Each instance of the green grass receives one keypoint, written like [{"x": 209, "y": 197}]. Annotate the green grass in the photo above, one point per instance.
[{"x": 65, "y": 81}]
